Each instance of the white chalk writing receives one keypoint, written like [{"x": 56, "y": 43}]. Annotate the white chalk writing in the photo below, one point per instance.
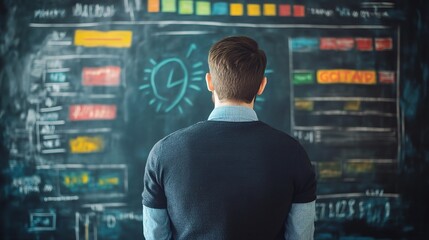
[
  {"x": 112, "y": 219},
  {"x": 347, "y": 12},
  {"x": 374, "y": 192},
  {"x": 49, "y": 13},
  {"x": 321, "y": 12},
  {"x": 54, "y": 64},
  {"x": 26, "y": 185},
  {"x": 58, "y": 35},
  {"x": 373, "y": 211},
  {"x": 93, "y": 10},
  {"x": 308, "y": 136},
  {"x": 53, "y": 116}
]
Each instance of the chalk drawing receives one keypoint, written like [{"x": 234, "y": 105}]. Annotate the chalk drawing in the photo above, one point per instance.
[{"x": 169, "y": 91}]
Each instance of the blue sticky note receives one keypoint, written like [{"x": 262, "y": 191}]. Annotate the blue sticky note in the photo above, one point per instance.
[
  {"x": 220, "y": 8},
  {"x": 304, "y": 44}
]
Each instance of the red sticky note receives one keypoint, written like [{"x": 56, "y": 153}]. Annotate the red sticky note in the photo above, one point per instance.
[
  {"x": 328, "y": 44},
  {"x": 382, "y": 44},
  {"x": 92, "y": 112},
  {"x": 284, "y": 10},
  {"x": 364, "y": 44},
  {"x": 101, "y": 76},
  {"x": 387, "y": 77},
  {"x": 298, "y": 10},
  {"x": 345, "y": 43}
]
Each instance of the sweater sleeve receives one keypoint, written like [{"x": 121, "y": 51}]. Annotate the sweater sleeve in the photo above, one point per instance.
[
  {"x": 153, "y": 193},
  {"x": 305, "y": 178}
]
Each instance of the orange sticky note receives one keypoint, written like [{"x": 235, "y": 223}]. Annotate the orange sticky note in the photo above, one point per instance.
[
  {"x": 346, "y": 76},
  {"x": 153, "y": 5}
]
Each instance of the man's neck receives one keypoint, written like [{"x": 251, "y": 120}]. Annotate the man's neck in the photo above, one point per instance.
[
  {"x": 227, "y": 102},
  {"x": 224, "y": 103}
]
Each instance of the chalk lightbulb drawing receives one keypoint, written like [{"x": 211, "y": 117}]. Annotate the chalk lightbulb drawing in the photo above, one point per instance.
[{"x": 169, "y": 80}]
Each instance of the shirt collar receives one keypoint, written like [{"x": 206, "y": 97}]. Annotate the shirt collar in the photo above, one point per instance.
[{"x": 233, "y": 114}]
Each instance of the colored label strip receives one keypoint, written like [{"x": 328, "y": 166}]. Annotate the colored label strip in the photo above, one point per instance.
[
  {"x": 341, "y": 44},
  {"x": 114, "y": 39},
  {"x": 346, "y": 76},
  {"x": 85, "y": 144},
  {"x": 206, "y": 8},
  {"x": 343, "y": 76},
  {"x": 86, "y": 112},
  {"x": 101, "y": 76}
]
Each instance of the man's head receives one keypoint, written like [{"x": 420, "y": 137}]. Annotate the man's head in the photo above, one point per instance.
[{"x": 237, "y": 67}]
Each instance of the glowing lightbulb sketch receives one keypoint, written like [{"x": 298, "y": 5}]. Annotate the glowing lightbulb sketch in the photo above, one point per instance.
[{"x": 169, "y": 81}]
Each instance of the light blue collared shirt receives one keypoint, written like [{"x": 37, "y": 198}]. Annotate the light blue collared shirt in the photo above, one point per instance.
[
  {"x": 233, "y": 114},
  {"x": 299, "y": 223}
]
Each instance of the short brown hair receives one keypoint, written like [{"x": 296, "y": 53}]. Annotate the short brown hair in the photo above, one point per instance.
[{"x": 237, "y": 67}]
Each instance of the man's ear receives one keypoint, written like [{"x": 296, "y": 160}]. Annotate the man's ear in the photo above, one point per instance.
[
  {"x": 262, "y": 86},
  {"x": 209, "y": 82}
]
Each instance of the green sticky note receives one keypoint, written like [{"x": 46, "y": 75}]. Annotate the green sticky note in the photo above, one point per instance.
[
  {"x": 203, "y": 8},
  {"x": 186, "y": 7},
  {"x": 303, "y": 78},
  {"x": 168, "y": 6}
]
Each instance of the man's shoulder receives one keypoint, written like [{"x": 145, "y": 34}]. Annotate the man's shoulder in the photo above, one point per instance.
[
  {"x": 279, "y": 134},
  {"x": 180, "y": 133},
  {"x": 203, "y": 128}
]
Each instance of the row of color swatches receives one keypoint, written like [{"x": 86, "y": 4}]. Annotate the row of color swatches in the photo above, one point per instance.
[
  {"x": 342, "y": 44},
  {"x": 206, "y": 8}
]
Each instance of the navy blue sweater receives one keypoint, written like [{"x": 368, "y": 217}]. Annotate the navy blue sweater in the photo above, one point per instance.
[{"x": 228, "y": 180}]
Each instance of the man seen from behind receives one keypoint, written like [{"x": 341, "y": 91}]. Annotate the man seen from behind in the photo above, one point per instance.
[{"x": 231, "y": 177}]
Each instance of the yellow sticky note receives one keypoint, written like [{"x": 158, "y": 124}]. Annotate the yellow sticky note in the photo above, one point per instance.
[
  {"x": 83, "y": 144},
  {"x": 186, "y": 7},
  {"x": 359, "y": 167},
  {"x": 203, "y": 8},
  {"x": 253, "y": 10},
  {"x": 330, "y": 170},
  {"x": 352, "y": 106},
  {"x": 304, "y": 105},
  {"x": 90, "y": 38},
  {"x": 236, "y": 9},
  {"x": 270, "y": 9},
  {"x": 168, "y": 6},
  {"x": 108, "y": 181}
]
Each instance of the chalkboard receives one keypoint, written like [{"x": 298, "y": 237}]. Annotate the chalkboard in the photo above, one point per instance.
[{"x": 88, "y": 87}]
